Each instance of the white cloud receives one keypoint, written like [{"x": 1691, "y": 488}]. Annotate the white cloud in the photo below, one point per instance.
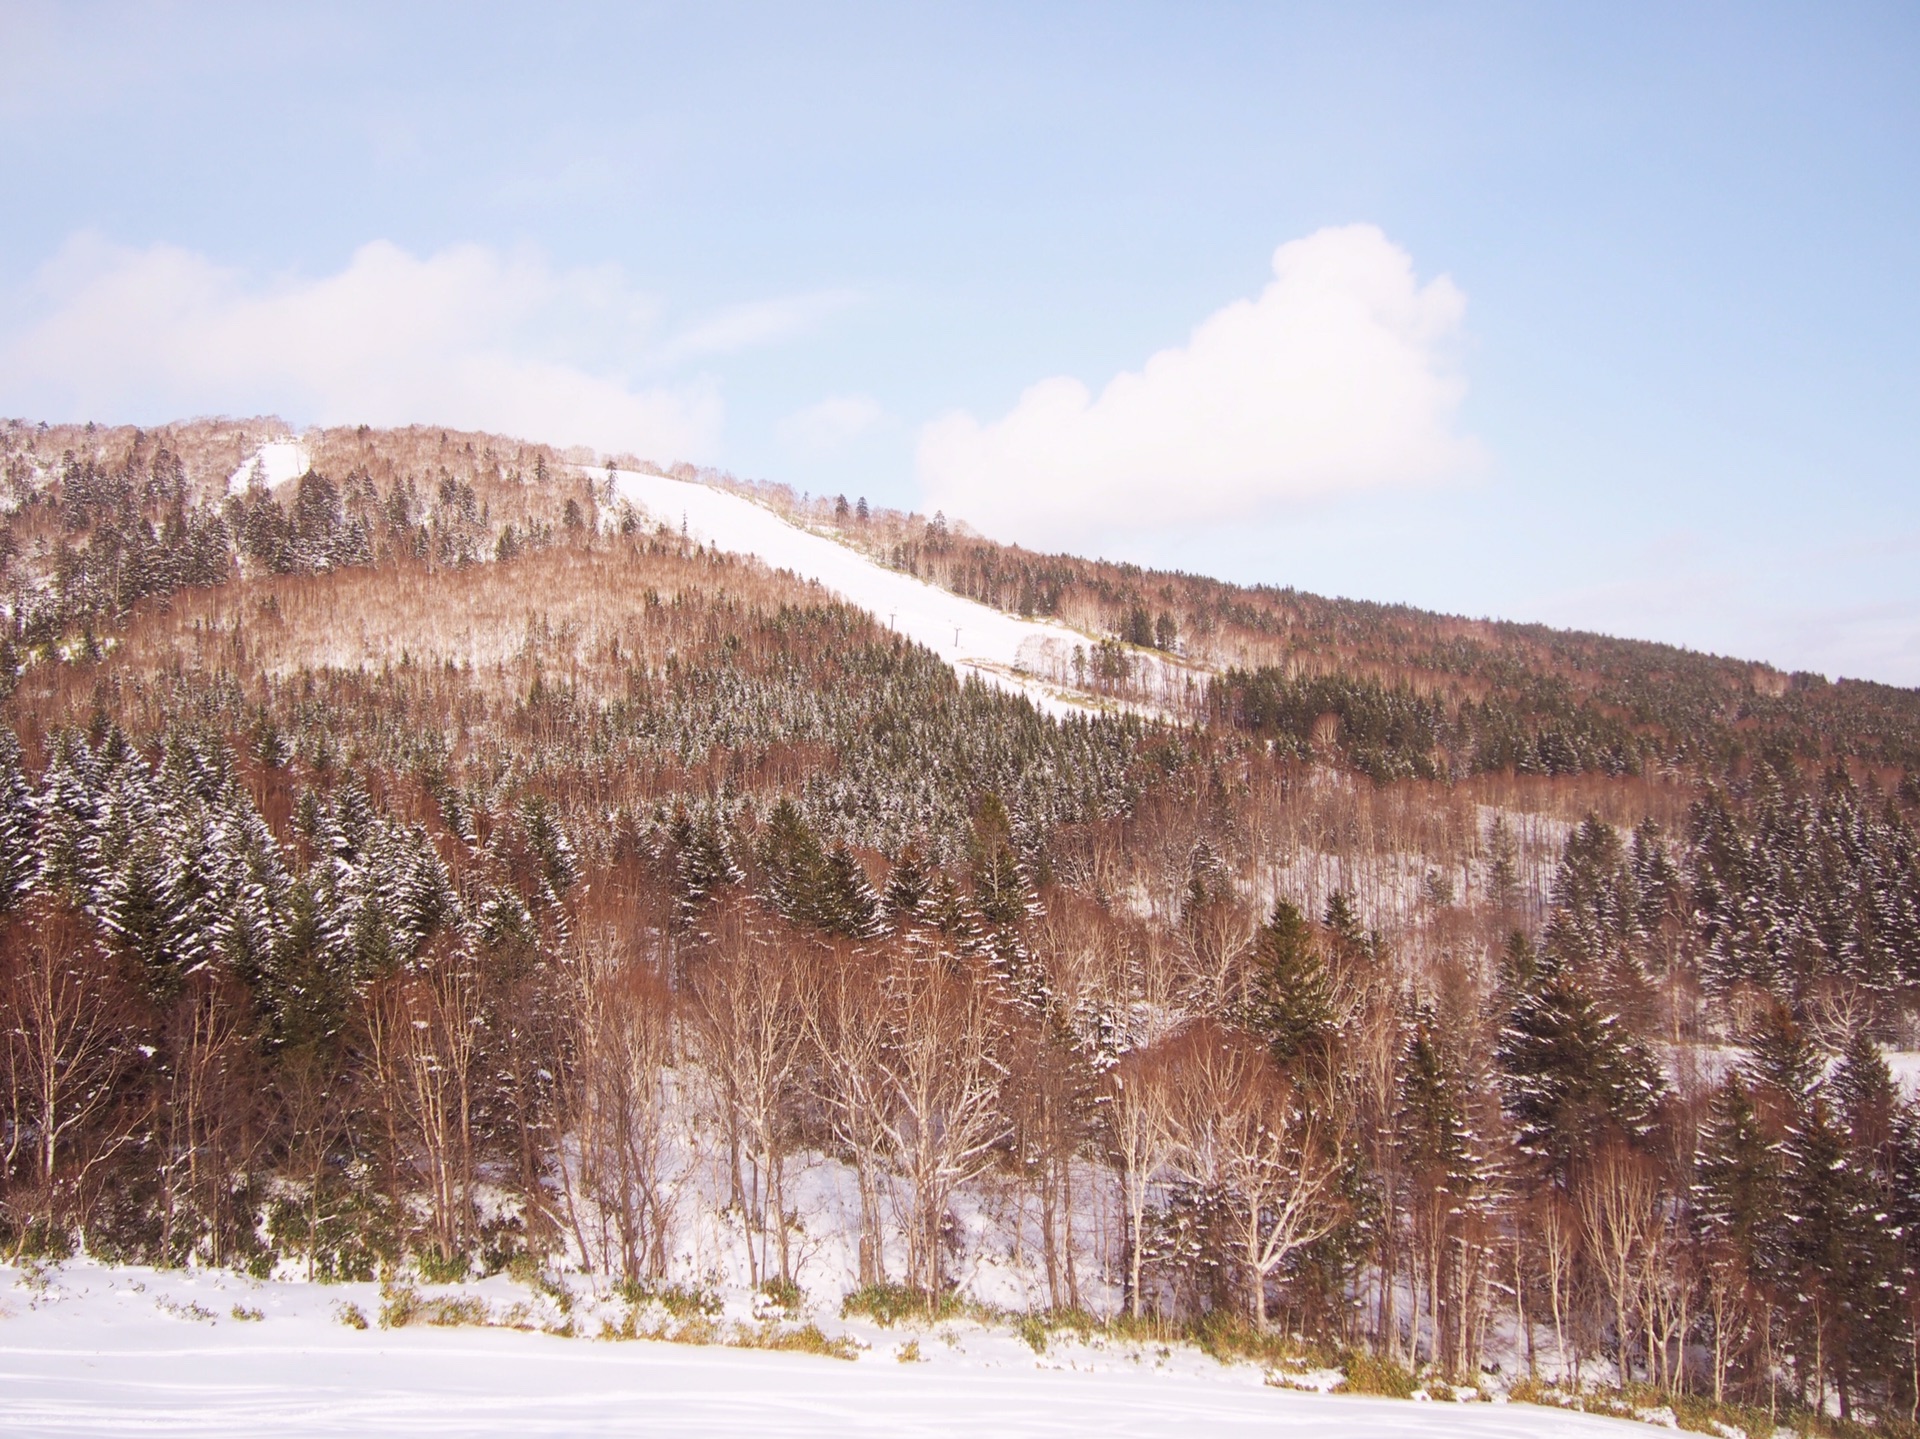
[
  {"x": 830, "y": 424},
  {"x": 757, "y": 323},
  {"x": 466, "y": 337},
  {"x": 1337, "y": 377}
]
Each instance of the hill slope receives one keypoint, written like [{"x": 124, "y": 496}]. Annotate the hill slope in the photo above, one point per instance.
[{"x": 435, "y": 865}]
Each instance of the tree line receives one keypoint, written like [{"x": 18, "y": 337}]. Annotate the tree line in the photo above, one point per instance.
[
  {"x": 367, "y": 1042},
  {"x": 365, "y": 905}
]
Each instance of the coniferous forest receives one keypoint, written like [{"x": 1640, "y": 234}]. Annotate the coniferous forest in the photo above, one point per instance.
[{"x": 431, "y": 864}]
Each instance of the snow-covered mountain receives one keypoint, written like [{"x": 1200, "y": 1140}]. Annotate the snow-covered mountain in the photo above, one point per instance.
[{"x": 584, "y": 900}]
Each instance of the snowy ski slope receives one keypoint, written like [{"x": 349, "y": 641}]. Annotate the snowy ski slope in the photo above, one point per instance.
[
  {"x": 279, "y": 461},
  {"x": 86, "y": 1350},
  {"x": 1016, "y": 654},
  {"x": 1029, "y": 657}
]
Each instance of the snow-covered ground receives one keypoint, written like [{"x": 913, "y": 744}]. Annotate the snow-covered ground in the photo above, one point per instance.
[
  {"x": 278, "y": 461},
  {"x": 1905, "y": 1065},
  {"x": 1030, "y": 657},
  {"x": 94, "y": 1351}
]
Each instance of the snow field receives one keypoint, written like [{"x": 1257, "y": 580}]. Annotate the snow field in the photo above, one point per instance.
[
  {"x": 90, "y": 1350},
  {"x": 1029, "y": 657},
  {"x": 279, "y": 461},
  {"x": 1905, "y": 1064}
]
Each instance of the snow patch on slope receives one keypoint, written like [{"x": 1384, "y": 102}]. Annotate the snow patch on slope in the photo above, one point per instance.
[
  {"x": 1029, "y": 657},
  {"x": 277, "y": 462},
  {"x": 1905, "y": 1067}
]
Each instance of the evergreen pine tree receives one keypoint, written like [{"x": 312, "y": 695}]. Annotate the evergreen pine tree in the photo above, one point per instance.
[
  {"x": 1737, "y": 1222},
  {"x": 1737, "y": 1174},
  {"x": 250, "y": 917},
  {"x": 1003, "y": 900},
  {"x": 701, "y": 863},
  {"x": 1783, "y": 1062},
  {"x": 795, "y": 867},
  {"x": 1572, "y": 1075},
  {"x": 1432, "y": 1119},
  {"x": 1343, "y": 926},
  {"x": 851, "y": 907},
  {"x": 909, "y": 886},
  {"x": 1207, "y": 880},
  {"x": 1595, "y": 915},
  {"x": 1863, "y": 1091},
  {"x": 559, "y": 866},
  {"x": 1001, "y": 892},
  {"x": 1841, "y": 1258},
  {"x": 1290, "y": 1003},
  {"x": 69, "y": 822},
  {"x": 1503, "y": 866},
  {"x": 1656, "y": 880},
  {"x": 948, "y": 911},
  {"x": 1518, "y": 965},
  {"x": 19, "y": 856}
]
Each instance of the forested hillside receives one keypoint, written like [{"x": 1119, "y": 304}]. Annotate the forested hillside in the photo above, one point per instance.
[
  {"x": 1400, "y": 692},
  {"x": 432, "y": 864}
]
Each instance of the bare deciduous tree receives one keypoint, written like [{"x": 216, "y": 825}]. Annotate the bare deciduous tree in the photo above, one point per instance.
[
  {"x": 1617, "y": 1193},
  {"x": 1245, "y": 1130},
  {"x": 424, "y": 1035},
  {"x": 943, "y": 1070},
  {"x": 1140, "y": 1138},
  {"x": 620, "y": 1014},
  {"x": 1046, "y": 1100},
  {"x": 749, "y": 1023},
  {"x": 211, "y": 1109},
  {"x": 70, "y": 1023},
  {"x": 850, "y": 1023},
  {"x": 314, "y": 1098}
]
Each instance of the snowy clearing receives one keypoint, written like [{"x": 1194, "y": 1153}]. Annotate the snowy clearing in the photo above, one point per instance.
[
  {"x": 1905, "y": 1065},
  {"x": 92, "y": 1350},
  {"x": 278, "y": 461},
  {"x": 1029, "y": 657}
]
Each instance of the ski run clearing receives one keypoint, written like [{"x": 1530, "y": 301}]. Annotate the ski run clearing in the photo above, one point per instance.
[
  {"x": 1024, "y": 656},
  {"x": 1028, "y": 657},
  {"x": 90, "y": 1350},
  {"x": 275, "y": 463}
]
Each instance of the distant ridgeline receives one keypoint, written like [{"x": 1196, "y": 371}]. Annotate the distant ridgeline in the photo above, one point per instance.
[
  {"x": 1392, "y": 692},
  {"x": 427, "y": 863},
  {"x": 1619, "y": 717},
  {"x": 1396, "y": 692}
]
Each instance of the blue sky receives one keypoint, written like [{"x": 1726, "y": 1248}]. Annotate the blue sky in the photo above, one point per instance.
[{"x": 1604, "y": 316}]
